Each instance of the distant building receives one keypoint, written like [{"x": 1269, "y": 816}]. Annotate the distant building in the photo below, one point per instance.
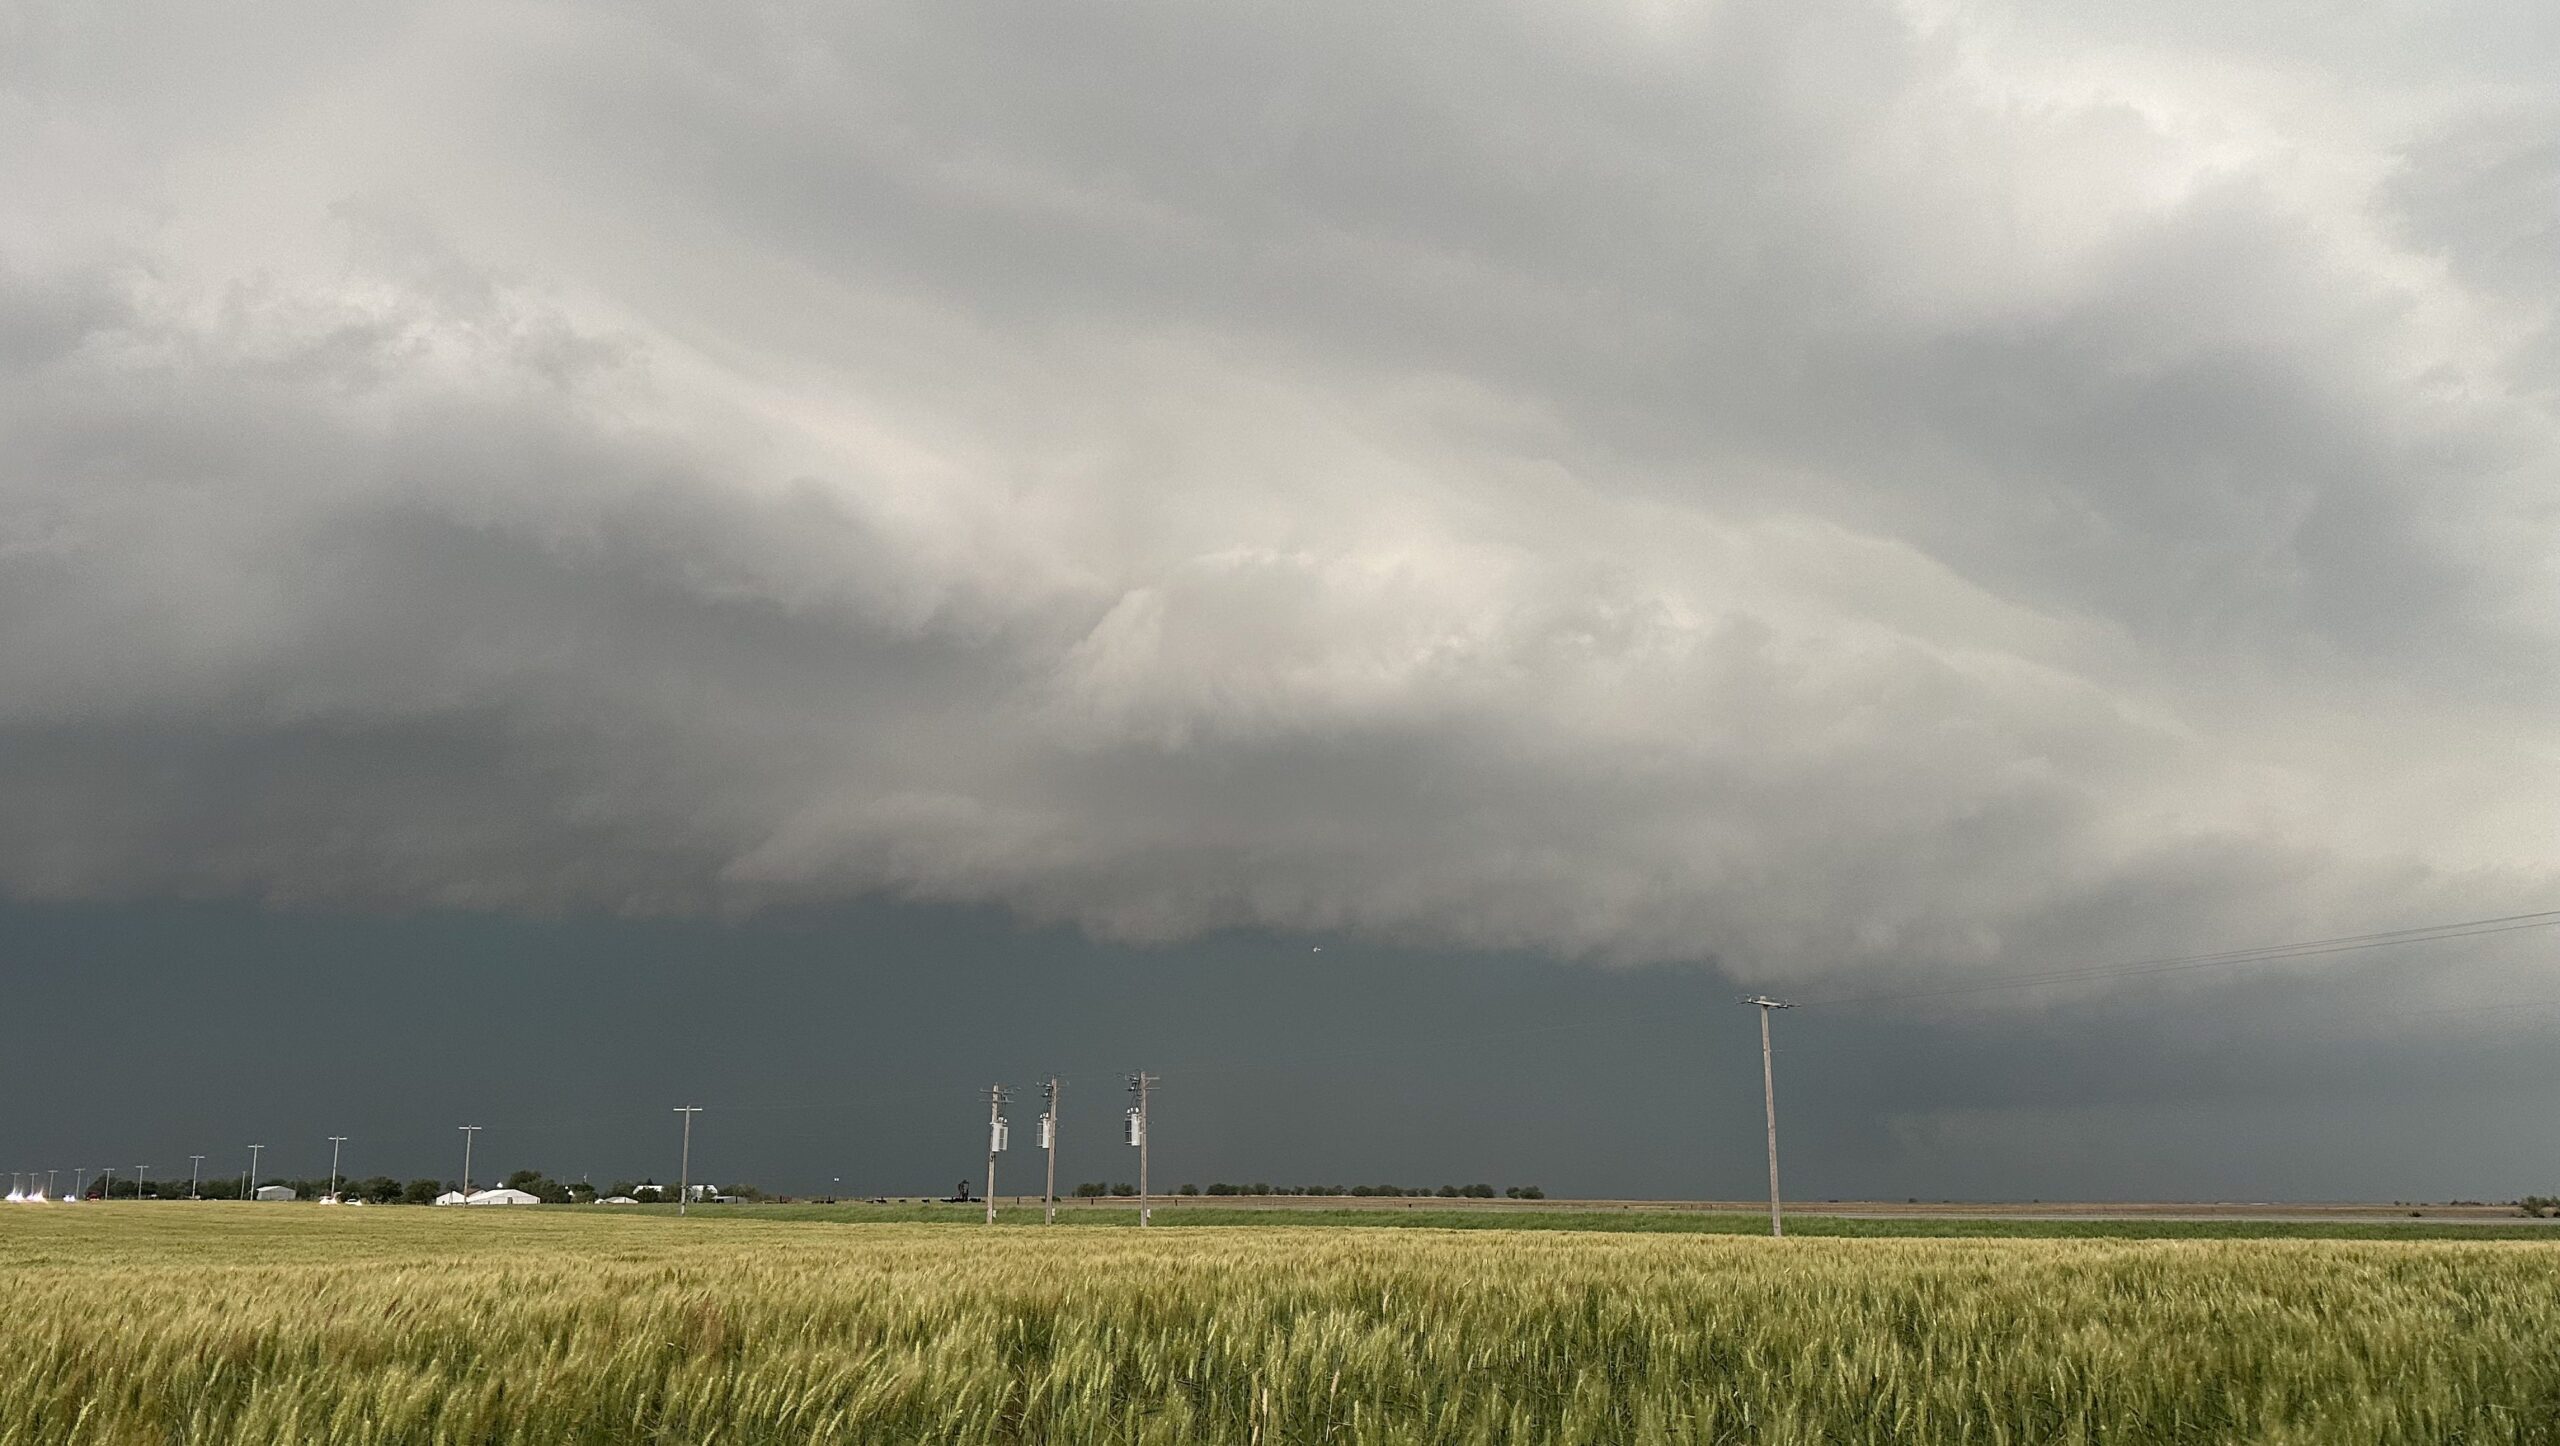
[
  {"x": 502, "y": 1196},
  {"x": 453, "y": 1197},
  {"x": 277, "y": 1192},
  {"x": 617, "y": 1200}
]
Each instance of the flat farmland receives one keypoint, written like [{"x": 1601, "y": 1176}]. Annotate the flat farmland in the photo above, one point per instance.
[{"x": 246, "y": 1323}]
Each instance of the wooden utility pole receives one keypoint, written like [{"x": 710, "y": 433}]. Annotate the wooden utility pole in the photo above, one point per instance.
[
  {"x": 1769, "y": 1104},
  {"x": 684, "y": 1162}
]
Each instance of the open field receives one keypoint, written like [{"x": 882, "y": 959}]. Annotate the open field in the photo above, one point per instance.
[
  {"x": 242, "y": 1323},
  {"x": 2108, "y": 1222}
]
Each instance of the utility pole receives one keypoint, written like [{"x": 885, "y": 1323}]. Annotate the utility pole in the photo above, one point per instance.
[
  {"x": 684, "y": 1166},
  {"x": 1769, "y": 1104},
  {"x": 1049, "y": 1142},
  {"x": 1140, "y": 1084},
  {"x": 195, "y": 1177},
  {"x": 48, "y": 1182},
  {"x": 107, "y": 1183},
  {"x": 467, "y": 1132},
  {"x": 334, "y": 1142},
  {"x": 253, "y": 1172},
  {"x": 139, "y": 1171},
  {"x": 997, "y": 1133},
  {"x": 80, "y": 1183}
]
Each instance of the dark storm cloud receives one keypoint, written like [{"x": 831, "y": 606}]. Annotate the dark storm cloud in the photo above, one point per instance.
[{"x": 1822, "y": 487}]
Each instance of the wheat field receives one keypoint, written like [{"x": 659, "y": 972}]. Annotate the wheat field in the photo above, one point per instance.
[{"x": 247, "y": 1323}]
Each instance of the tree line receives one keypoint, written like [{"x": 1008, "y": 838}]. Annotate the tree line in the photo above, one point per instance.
[{"x": 386, "y": 1190}]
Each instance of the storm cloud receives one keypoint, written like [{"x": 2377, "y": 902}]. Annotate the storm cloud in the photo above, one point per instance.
[{"x": 1814, "y": 486}]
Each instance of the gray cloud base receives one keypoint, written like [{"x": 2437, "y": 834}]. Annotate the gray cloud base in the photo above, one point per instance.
[{"x": 1820, "y": 487}]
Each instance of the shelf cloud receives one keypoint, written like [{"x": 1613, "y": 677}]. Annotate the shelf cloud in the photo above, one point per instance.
[{"x": 1819, "y": 486}]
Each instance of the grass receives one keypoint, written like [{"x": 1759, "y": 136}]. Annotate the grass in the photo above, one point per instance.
[{"x": 247, "y": 1323}]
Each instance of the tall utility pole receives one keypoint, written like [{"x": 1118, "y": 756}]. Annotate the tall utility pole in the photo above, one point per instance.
[
  {"x": 684, "y": 1166},
  {"x": 48, "y": 1181},
  {"x": 467, "y": 1132},
  {"x": 334, "y": 1142},
  {"x": 997, "y": 1132},
  {"x": 195, "y": 1177},
  {"x": 139, "y": 1171},
  {"x": 107, "y": 1183},
  {"x": 80, "y": 1183},
  {"x": 1140, "y": 1084},
  {"x": 1049, "y": 1141},
  {"x": 1769, "y": 1104},
  {"x": 252, "y": 1192}
]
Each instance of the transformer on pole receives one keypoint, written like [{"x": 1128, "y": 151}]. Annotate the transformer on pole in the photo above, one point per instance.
[
  {"x": 1049, "y": 1142},
  {"x": 999, "y": 1135},
  {"x": 1140, "y": 1085}
]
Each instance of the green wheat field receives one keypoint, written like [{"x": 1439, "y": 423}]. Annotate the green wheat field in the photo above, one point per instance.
[{"x": 214, "y": 1323}]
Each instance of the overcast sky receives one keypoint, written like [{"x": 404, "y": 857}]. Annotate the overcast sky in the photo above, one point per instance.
[{"x": 941, "y": 517}]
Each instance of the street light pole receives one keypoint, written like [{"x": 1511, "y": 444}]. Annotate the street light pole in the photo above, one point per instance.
[
  {"x": 684, "y": 1167},
  {"x": 1769, "y": 1105}
]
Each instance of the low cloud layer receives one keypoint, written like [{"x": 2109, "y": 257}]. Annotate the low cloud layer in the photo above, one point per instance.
[{"x": 1825, "y": 487}]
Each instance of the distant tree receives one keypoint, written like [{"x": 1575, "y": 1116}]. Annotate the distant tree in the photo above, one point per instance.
[
  {"x": 1478, "y": 1192},
  {"x": 1188, "y": 1190},
  {"x": 1526, "y": 1192},
  {"x": 421, "y": 1191},
  {"x": 621, "y": 1187},
  {"x": 581, "y": 1193},
  {"x": 746, "y": 1192},
  {"x": 1124, "y": 1189},
  {"x": 1092, "y": 1190},
  {"x": 378, "y": 1189}
]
